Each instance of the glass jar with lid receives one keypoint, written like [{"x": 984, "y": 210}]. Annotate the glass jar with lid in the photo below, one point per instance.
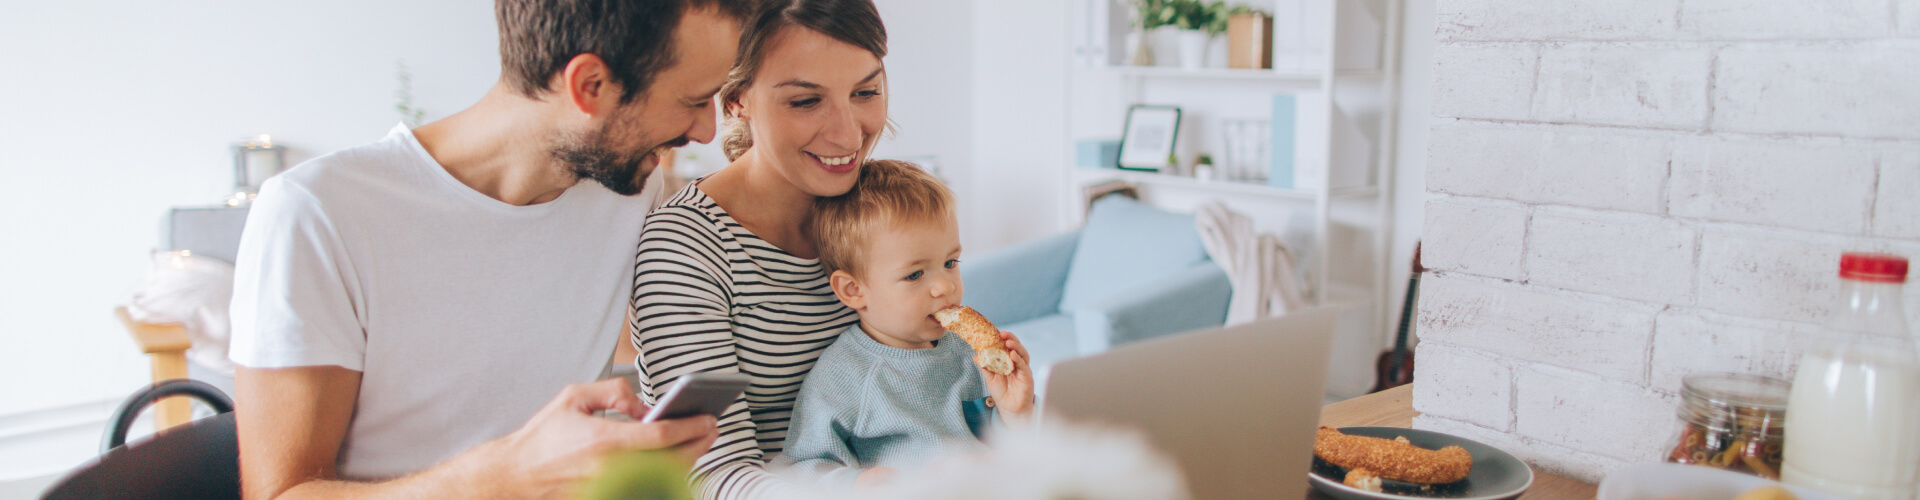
[{"x": 1732, "y": 421}]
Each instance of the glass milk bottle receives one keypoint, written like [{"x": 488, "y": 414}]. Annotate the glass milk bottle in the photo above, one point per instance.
[{"x": 1853, "y": 418}]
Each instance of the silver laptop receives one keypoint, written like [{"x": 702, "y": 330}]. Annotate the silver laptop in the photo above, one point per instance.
[{"x": 1235, "y": 407}]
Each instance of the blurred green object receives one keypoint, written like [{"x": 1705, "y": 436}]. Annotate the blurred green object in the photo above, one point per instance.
[{"x": 639, "y": 475}]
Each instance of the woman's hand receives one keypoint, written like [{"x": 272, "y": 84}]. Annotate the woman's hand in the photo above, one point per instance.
[
  {"x": 874, "y": 477},
  {"x": 1012, "y": 393}
]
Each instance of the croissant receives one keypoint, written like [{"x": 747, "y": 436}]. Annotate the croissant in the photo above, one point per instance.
[{"x": 979, "y": 333}]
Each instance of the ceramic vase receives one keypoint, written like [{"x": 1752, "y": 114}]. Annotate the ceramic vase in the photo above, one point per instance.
[
  {"x": 1217, "y": 52},
  {"x": 1193, "y": 49},
  {"x": 1164, "y": 42},
  {"x": 1139, "y": 52}
]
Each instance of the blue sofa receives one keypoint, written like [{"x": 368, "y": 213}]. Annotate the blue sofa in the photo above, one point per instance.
[{"x": 1133, "y": 272}]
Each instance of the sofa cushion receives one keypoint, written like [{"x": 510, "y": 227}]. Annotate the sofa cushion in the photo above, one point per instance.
[
  {"x": 1126, "y": 244},
  {"x": 1048, "y": 338}
]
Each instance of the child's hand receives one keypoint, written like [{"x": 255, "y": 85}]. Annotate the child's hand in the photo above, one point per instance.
[
  {"x": 874, "y": 477},
  {"x": 1012, "y": 393}
]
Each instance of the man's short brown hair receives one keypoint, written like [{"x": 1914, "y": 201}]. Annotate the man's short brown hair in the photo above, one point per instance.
[
  {"x": 634, "y": 37},
  {"x": 888, "y": 194}
]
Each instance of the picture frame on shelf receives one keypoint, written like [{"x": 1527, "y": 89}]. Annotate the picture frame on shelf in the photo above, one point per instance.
[{"x": 1149, "y": 138}]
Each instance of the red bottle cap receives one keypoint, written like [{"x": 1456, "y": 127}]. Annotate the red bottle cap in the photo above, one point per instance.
[{"x": 1875, "y": 267}]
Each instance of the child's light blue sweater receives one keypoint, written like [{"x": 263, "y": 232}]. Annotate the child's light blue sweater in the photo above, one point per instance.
[{"x": 867, "y": 404}]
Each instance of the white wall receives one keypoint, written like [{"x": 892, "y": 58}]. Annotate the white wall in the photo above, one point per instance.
[
  {"x": 1019, "y": 120},
  {"x": 118, "y": 110},
  {"x": 930, "y": 75},
  {"x": 1623, "y": 196},
  {"x": 1410, "y": 150}
]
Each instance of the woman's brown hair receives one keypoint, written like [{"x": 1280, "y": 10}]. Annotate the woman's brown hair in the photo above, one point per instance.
[{"x": 856, "y": 22}]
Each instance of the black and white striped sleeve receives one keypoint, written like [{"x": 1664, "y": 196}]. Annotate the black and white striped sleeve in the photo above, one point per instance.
[{"x": 682, "y": 299}]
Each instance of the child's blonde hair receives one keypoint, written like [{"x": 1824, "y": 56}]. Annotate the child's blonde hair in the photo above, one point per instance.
[{"x": 888, "y": 194}]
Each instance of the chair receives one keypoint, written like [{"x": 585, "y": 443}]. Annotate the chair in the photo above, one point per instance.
[
  {"x": 200, "y": 459},
  {"x": 1132, "y": 273}
]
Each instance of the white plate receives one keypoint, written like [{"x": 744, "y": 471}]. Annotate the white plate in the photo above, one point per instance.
[{"x": 1688, "y": 482}]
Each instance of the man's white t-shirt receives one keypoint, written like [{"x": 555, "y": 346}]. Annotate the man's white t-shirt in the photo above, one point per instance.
[{"x": 464, "y": 314}]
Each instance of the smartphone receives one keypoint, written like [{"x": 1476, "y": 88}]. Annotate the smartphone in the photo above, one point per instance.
[{"x": 698, "y": 393}]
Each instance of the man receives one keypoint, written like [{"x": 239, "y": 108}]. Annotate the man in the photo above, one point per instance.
[{"x": 405, "y": 311}]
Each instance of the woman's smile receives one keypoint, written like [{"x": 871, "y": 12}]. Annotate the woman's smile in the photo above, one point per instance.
[{"x": 835, "y": 164}]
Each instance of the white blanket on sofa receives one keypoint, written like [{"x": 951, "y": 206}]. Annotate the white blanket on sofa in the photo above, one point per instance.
[{"x": 1259, "y": 266}]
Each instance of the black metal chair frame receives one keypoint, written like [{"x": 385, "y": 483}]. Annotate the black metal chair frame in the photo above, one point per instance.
[{"x": 198, "y": 459}]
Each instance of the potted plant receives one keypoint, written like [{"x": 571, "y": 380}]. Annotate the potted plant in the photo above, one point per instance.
[
  {"x": 1198, "y": 23},
  {"x": 1151, "y": 21}
]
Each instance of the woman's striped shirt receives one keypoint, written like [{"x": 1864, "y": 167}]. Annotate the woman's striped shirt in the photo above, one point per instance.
[{"x": 710, "y": 297}]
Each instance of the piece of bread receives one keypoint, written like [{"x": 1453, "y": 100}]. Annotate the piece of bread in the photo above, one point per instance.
[
  {"x": 1767, "y": 493},
  {"x": 1392, "y": 459},
  {"x": 979, "y": 333},
  {"x": 1362, "y": 479}
]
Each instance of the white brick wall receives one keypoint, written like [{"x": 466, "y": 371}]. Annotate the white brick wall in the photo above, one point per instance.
[
  {"x": 1469, "y": 386},
  {"x": 1598, "y": 335},
  {"x": 1630, "y": 86},
  {"x": 1899, "y": 197},
  {"x": 1737, "y": 19},
  {"x": 1757, "y": 273},
  {"x": 1563, "y": 19},
  {"x": 1909, "y": 16},
  {"x": 1563, "y": 460},
  {"x": 1482, "y": 81},
  {"x": 1827, "y": 188},
  {"x": 1624, "y": 192},
  {"x": 1481, "y": 160},
  {"x": 1742, "y": 345},
  {"x": 1853, "y": 90},
  {"x": 1623, "y": 255},
  {"x": 1590, "y": 168},
  {"x": 1593, "y": 414},
  {"x": 1586, "y": 167},
  {"x": 1476, "y": 236}
]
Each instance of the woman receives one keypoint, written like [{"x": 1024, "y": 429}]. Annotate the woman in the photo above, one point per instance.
[{"x": 725, "y": 281}]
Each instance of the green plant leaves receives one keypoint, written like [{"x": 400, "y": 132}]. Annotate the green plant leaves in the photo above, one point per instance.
[{"x": 1185, "y": 14}]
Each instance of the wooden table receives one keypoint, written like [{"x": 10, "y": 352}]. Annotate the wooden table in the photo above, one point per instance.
[
  {"x": 166, "y": 344},
  {"x": 1394, "y": 408}
]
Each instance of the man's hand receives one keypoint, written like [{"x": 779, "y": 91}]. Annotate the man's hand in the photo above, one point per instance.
[
  {"x": 563, "y": 443},
  {"x": 1012, "y": 393},
  {"x": 292, "y": 422}
]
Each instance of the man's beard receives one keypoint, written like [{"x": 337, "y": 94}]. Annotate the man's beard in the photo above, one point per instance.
[{"x": 588, "y": 156}]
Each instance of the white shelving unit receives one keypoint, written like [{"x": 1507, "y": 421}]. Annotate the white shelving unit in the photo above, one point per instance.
[{"x": 1354, "y": 72}]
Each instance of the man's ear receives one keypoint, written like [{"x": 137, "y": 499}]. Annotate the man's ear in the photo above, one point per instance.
[
  {"x": 736, "y": 109},
  {"x": 587, "y": 83},
  {"x": 848, "y": 290}
]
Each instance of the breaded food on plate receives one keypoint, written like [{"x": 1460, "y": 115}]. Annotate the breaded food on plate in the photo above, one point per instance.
[{"x": 1391, "y": 459}]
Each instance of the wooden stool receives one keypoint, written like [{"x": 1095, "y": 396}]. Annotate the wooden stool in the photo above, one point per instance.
[{"x": 166, "y": 345}]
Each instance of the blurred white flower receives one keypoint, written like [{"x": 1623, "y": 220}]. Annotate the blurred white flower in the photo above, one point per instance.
[{"x": 1053, "y": 461}]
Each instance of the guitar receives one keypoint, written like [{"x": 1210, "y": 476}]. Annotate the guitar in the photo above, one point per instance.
[{"x": 1395, "y": 367}]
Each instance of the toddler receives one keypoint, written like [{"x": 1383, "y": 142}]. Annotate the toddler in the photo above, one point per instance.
[{"x": 896, "y": 390}]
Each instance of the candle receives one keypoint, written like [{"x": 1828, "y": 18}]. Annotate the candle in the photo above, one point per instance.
[{"x": 261, "y": 164}]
